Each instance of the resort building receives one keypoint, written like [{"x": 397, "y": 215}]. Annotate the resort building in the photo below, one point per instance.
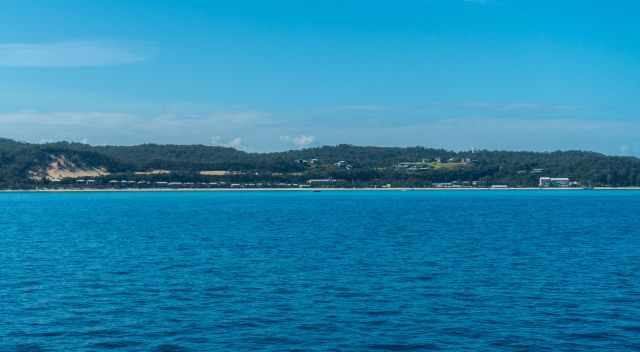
[
  {"x": 322, "y": 181},
  {"x": 555, "y": 182},
  {"x": 414, "y": 166}
]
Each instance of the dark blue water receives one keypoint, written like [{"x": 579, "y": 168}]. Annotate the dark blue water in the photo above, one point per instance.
[{"x": 330, "y": 271}]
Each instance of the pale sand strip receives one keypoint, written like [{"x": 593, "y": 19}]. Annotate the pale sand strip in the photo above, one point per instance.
[{"x": 304, "y": 189}]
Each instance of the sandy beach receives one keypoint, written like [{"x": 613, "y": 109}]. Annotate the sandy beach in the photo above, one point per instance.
[{"x": 74, "y": 190}]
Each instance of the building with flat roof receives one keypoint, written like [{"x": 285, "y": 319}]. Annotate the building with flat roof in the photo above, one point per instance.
[
  {"x": 555, "y": 182},
  {"x": 322, "y": 181}
]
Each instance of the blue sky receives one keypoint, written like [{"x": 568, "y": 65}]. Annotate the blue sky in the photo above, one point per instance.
[{"x": 274, "y": 75}]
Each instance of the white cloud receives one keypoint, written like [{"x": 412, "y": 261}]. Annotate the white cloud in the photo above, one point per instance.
[
  {"x": 516, "y": 106},
  {"x": 235, "y": 143},
  {"x": 70, "y": 54},
  {"x": 130, "y": 128},
  {"x": 65, "y": 119},
  {"x": 216, "y": 140},
  {"x": 226, "y": 119},
  {"x": 255, "y": 131},
  {"x": 495, "y": 133},
  {"x": 299, "y": 141}
]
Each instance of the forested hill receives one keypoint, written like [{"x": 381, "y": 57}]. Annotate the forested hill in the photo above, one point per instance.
[{"x": 31, "y": 165}]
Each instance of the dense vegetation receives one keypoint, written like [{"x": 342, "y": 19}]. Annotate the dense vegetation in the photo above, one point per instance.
[{"x": 361, "y": 166}]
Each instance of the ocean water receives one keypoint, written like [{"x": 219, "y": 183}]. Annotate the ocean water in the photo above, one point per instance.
[{"x": 328, "y": 271}]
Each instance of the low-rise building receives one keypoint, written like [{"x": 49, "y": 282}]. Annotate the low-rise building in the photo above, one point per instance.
[
  {"x": 555, "y": 182},
  {"x": 414, "y": 165},
  {"x": 343, "y": 164},
  {"x": 322, "y": 181}
]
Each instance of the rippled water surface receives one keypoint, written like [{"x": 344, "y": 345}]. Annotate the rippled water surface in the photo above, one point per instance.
[{"x": 334, "y": 271}]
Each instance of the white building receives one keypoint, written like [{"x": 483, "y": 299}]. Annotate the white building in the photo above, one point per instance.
[
  {"x": 322, "y": 181},
  {"x": 555, "y": 182}
]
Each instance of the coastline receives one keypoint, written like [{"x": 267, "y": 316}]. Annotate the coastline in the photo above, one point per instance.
[{"x": 160, "y": 190}]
